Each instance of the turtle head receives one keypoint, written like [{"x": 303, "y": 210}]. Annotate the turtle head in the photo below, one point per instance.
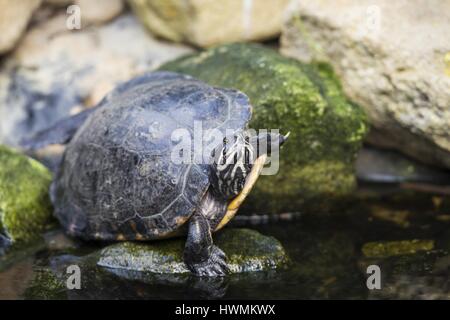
[{"x": 235, "y": 162}]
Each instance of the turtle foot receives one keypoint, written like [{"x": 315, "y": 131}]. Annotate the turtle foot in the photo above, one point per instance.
[{"x": 214, "y": 266}]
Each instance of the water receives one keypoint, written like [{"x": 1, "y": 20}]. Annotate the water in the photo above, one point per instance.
[{"x": 326, "y": 253}]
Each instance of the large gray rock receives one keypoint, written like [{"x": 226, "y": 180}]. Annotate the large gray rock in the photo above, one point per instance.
[
  {"x": 14, "y": 17},
  {"x": 393, "y": 58},
  {"x": 56, "y": 72},
  {"x": 208, "y": 22}
]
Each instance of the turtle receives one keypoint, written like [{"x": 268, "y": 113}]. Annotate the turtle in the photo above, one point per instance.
[{"x": 118, "y": 179}]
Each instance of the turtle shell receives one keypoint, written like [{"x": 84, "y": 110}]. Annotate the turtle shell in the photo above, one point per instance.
[{"x": 118, "y": 180}]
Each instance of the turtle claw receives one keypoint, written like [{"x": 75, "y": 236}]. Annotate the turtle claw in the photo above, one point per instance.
[{"x": 215, "y": 266}]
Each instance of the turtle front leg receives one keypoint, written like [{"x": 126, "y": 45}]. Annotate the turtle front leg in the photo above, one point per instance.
[{"x": 200, "y": 254}]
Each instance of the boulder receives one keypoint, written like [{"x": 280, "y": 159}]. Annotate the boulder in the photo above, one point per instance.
[
  {"x": 417, "y": 275},
  {"x": 14, "y": 18},
  {"x": 385, "y": 249},
  {"x": 25, "y": 209},
  {"x": 393, "y": 59},
  {"x": 208, "y": 22},
  {"x": 56, "y": 72},
  {"x": 247, "y": 251},
  {"x": 375, "y": 165},
  {"x": 153, "y": 270},
  {"x": 45, "y": 285},
  {"x": 99, "y": 11},
  {"x": 316, "y": 164}
]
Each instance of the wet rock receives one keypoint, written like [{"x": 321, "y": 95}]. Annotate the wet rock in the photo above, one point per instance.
[
  {"x": 326, "y": 130},
  {"x": 156, "y": 269},
  {"x": 411, "y": 276},
  {"x": 392, "y": 57},
  {"x": 25, "y": 209},
  {"x": 247, "y": 251},
  {"x": 398, "y": 217},
  {"x": 14, "y": 17},
  {"x": 394, "y": 248},
  {"x": 404, "y": 287},
  {"x": 49, "y": 282},
  {"x": 386, "y": 166},
  {"x": 160, "y": 258},
  {"x": 205, "y": 23},
  {"x": 45, "y": 285},
  {"x": 56, "y": 72}
]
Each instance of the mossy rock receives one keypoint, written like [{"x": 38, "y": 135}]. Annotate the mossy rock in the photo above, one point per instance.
[
  {"x": 45, "y": 285},
  {"x": 150, "y": 270},
  {"x": 25, "y": 208},
  {"x": 316, "y": 165},
  {"x": 247, "y": 251},
  {"x": 384, "y": 249},
  {"x": 419, "y": 275}
]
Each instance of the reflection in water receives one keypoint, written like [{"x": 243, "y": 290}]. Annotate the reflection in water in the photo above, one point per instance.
[{"x": 328, "y": 260}]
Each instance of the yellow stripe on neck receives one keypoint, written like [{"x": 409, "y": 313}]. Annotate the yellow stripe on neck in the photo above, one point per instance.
[{"x": 239, "y": 199}]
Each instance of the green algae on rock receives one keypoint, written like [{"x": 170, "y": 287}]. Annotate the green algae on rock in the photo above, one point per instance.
[
  {"x": 395, "y": 248},
  {"x": 50, "y": 277},
  {"x": 327, "y": 130},
  {"x": 45, "y": 285},
  {"x": 25, "y": 209},
  {"x": 247, "y": 251},
  {"x": 421, "y": 275},
  {"x": 163, "y": 257}
]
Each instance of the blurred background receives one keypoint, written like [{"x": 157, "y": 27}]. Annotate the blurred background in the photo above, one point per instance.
[{"x": 364, "y": 87}]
